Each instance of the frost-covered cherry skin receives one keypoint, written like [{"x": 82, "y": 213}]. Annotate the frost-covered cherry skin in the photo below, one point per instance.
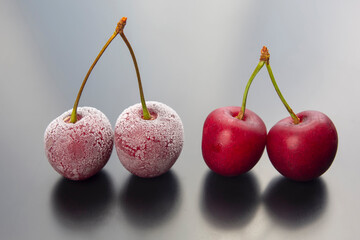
[
  {"x": 79, "y": 142},
  {"x": 79, "y": 150},
  {"x": 231, "y": 146},
  {"x": 148, "y": 136},
  {"x": 303, "y": 151},
  {"x": 148, "y": 148}
]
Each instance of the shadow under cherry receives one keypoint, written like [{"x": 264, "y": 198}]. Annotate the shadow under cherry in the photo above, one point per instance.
[
  {"x": 82, "y": 205},
  {"x": 229, "y": 202},
  {"x": 149, "y": 202},
  {"x": 295, "y": 204}
]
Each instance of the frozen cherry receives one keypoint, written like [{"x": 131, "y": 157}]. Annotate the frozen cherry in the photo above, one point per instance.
[
  {"x": 148, "y": 148},
  {"x": 79, "y": 143},
  {"x": 79, "y": 150},
  {"x": 148, "y": 136}
]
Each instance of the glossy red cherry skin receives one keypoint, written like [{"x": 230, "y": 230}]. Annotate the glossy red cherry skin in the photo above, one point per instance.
[
  {"x": 303, "y": 151},
  {"x": 231, "y": 146}
]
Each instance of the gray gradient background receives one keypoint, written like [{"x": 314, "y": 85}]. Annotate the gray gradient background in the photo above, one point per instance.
[{"x": 194, "y": 56}]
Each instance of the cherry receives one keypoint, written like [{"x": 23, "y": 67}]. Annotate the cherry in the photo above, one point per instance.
[
  {"x": 148, "y": 136},
  {"x": 79, "y": 142},
  {"x": 233, "y": 139},
  {"x": 79, "y": 150},
  {"x": 303, "y": 146}
]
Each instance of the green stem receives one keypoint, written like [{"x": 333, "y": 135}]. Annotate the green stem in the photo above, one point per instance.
[
  {"x": 243, "y": 106},
  {"x": 146, "y": 113},
  {"x": 73, "y": 117},
  {"x": 292, "y": 114}
]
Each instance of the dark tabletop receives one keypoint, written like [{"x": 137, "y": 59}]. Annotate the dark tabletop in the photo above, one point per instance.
[{"x": 194, "y": 56}]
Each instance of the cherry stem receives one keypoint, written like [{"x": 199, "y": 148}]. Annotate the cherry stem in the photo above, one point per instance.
[
  {"x": 243, "y": 106},
  {"x": 73, "y": 117},
  {"x": 146, "y": 113},
  {"x": 295, "y": 118}
]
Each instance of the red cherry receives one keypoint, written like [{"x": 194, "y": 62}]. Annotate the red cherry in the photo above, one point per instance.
[
  {"x": 233, "y": 139},
  {"x": 149, "y": 148},
  {"x": 303, "y": 151},
  {"x": 231, "y": 146},
  {"x": 79, "y": 150},
  {"x": 303, "y": 146}
]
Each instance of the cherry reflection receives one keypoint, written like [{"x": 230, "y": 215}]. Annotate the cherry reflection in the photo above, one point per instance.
[
  {"x": 149, "y": 202},
  {"x": 295, "y": 204},
  {"x": 229, "y": 202},
  {"x": 82, "y": 204}
]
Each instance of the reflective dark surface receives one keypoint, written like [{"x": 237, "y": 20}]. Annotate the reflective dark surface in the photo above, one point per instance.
[
  {"x": 82, "y": 205},
  {"x": 194, "y": 56},
  {"x": 147, "y": 203},
  {"x": 294, "y": 204},
  {"x": 230, "y": 202}
]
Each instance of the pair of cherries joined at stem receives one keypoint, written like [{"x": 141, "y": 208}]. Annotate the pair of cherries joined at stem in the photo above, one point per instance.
[
  {"x": 148, "y": 136},
  {"x": 301, "y": 147}
]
